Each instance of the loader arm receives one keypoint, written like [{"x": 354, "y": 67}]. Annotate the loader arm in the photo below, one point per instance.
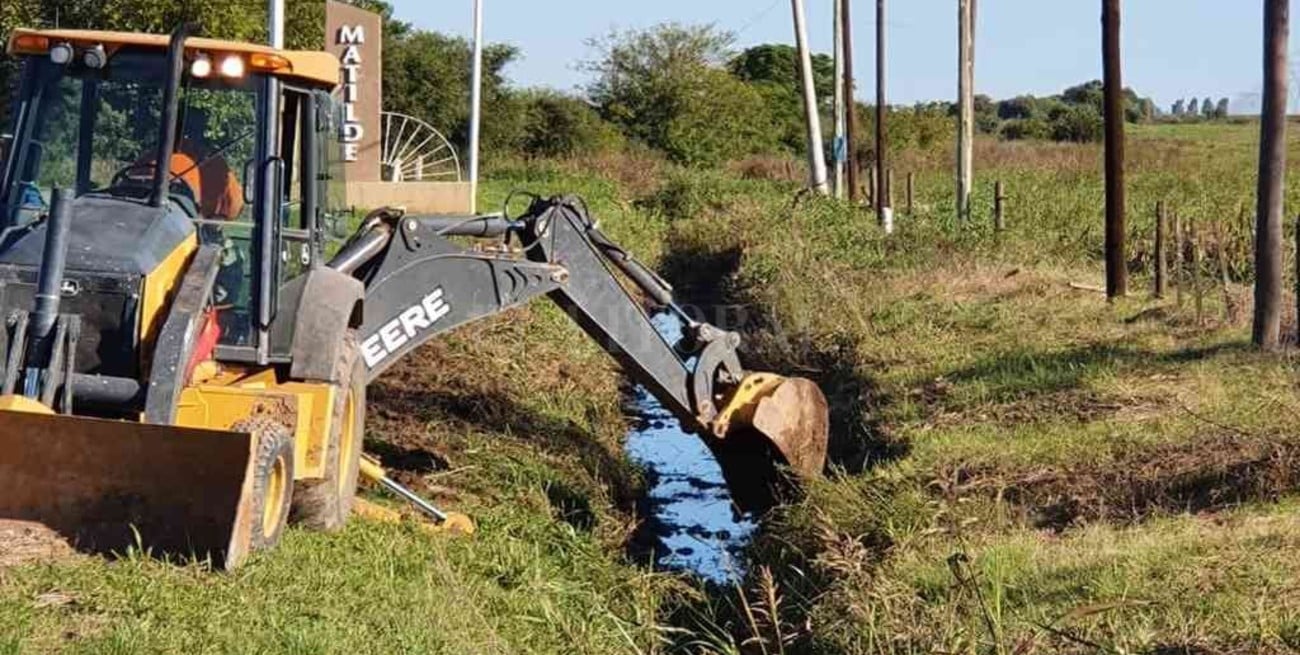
[{"x": 420, "y": 284}]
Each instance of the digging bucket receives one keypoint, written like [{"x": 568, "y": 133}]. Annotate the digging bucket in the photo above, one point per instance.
[
  {"x": 110, "y": 486},
  {"x": 771, "y": 433}
]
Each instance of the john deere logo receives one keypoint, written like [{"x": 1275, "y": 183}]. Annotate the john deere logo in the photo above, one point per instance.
[{"x": 398, "y": 332}]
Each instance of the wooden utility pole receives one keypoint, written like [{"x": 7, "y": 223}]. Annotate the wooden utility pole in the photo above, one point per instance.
[
  {"x": 812, "y": 117},
  {"x": 850, "y": 104},
  {"x": 1272, "y": 174},
  {"x": 965, "y": 105},
  {"x": 884, "y": 213},
  {"x": 1116, "y": 266}
]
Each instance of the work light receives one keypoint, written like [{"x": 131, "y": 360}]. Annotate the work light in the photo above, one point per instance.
[
  {"x": 232, "y": 66},
  {"x": 61, "y": 54},
  {"x": 201, "y": 66},
  {"x": 94, "y": 56}
]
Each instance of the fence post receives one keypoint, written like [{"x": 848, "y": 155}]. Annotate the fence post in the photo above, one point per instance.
[
  {"x": 1225, "y": 277},
  {"x": 1179, "y": 250},
  {"x": 889, "y": 187},
  {"x": 999, "y": 206},
  {"x": 1197, "y": 295},
  {"x": 911, "y": 192},
  {"x": 1160, "y": 249}
]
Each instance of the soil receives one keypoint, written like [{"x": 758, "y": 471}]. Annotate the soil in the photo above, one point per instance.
[{"x": 25, "y": 542}]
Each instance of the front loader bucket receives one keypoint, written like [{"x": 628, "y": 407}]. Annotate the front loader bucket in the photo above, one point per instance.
[
  {"x": 107, "y": 486},
  {"x": 771, "y": 427}
]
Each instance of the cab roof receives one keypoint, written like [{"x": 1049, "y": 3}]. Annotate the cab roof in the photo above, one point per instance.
[{"x": 313, "y": 67}]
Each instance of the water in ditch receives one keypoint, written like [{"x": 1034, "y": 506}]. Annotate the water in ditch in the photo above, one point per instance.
[{"x": 691, "y": 523}]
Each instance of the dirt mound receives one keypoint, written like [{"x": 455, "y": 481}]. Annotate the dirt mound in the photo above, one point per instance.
[
  {"x": 1201, "y": 475},
  {"x": 24, "y": 542}
]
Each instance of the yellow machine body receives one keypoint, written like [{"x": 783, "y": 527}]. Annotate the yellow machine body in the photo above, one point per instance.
[
  {"x": 237, "y": 394},
  {"x": 183, "y": 491}
]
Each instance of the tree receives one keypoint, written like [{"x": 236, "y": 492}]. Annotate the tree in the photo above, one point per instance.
[
  {"x": 1019, "y": 107},
  {"x": 560, "y": 125},
  {"x": 1026, "y": 128},
  {"x": 1194, "y": 107},
  {"x": 1207, "y": 108},
  {"x": 427, "y": 75},
  {"x": 1221, "y": 109},
  {"x": 1148, "y": 110},
  {"x": 1088, "y": 93},
  {"x": 777, "y": 63},
  {"x": 667, "y": 86},
  {"x": 772, "y": 70},
  {"x": 986, "y": 114}
]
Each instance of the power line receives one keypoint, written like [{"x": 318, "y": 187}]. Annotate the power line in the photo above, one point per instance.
[{"x": 757, "y": 17}]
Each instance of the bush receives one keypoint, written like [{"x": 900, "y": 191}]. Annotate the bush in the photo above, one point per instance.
[
  {"x": 1077, "y": 123},
  {"x": 559, "y": 125},
  {"x": 723, "y": 119},
  {"x": 924, "y": 126},
  {"x": 1026, "y": 128},
  {"x": 687, "y": 193}
]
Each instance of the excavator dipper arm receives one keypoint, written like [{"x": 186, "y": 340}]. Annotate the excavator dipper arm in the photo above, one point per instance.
[{"x": 420, "y": 284}]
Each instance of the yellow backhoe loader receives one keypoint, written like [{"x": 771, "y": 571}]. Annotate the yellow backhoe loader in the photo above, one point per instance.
[{"x": 183, "y": 367}]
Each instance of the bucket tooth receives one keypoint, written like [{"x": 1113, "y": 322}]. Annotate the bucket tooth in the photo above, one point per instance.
[{"x": 109, "y": 486}]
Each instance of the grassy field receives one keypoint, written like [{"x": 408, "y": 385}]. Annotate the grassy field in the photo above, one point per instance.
[
  {"x": 1021, "y": 466},
  {"x": 1018, "y": 465}
]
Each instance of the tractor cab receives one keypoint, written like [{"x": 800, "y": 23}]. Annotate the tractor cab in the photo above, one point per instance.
[{"x": 249, "y": 136}]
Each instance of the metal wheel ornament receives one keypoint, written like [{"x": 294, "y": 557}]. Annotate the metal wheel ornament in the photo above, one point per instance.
[{"x": 413, "y": 151}]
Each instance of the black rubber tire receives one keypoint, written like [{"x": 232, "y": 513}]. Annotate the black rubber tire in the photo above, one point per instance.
[
  {"x": 274, "y": 451},
  {"x": 325, "y": 503}
]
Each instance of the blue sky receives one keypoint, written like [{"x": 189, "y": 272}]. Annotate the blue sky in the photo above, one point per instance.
[{"x": 1173, "y": 48}]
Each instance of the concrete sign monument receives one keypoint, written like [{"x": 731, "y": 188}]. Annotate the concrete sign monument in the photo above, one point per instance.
[{"x": 355, "y": 36}]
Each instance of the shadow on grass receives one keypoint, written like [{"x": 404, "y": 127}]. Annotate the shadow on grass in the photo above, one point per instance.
[
  {"x": 500, "y": 414},
  {"x": 1022, "y": 374}
]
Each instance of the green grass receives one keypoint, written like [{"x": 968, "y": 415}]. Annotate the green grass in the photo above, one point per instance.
[
  {"x": 1018, "y": 465},
  {"x": 1117, "y": 472}
]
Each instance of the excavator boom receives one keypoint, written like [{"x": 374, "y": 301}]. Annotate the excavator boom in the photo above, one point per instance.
[{"x": 420, "y": 284}]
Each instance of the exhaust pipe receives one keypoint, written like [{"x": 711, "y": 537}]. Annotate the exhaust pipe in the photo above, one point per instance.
[
  {"x": 171, "y": 97},
  {"x": 49, "y": 290}
]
